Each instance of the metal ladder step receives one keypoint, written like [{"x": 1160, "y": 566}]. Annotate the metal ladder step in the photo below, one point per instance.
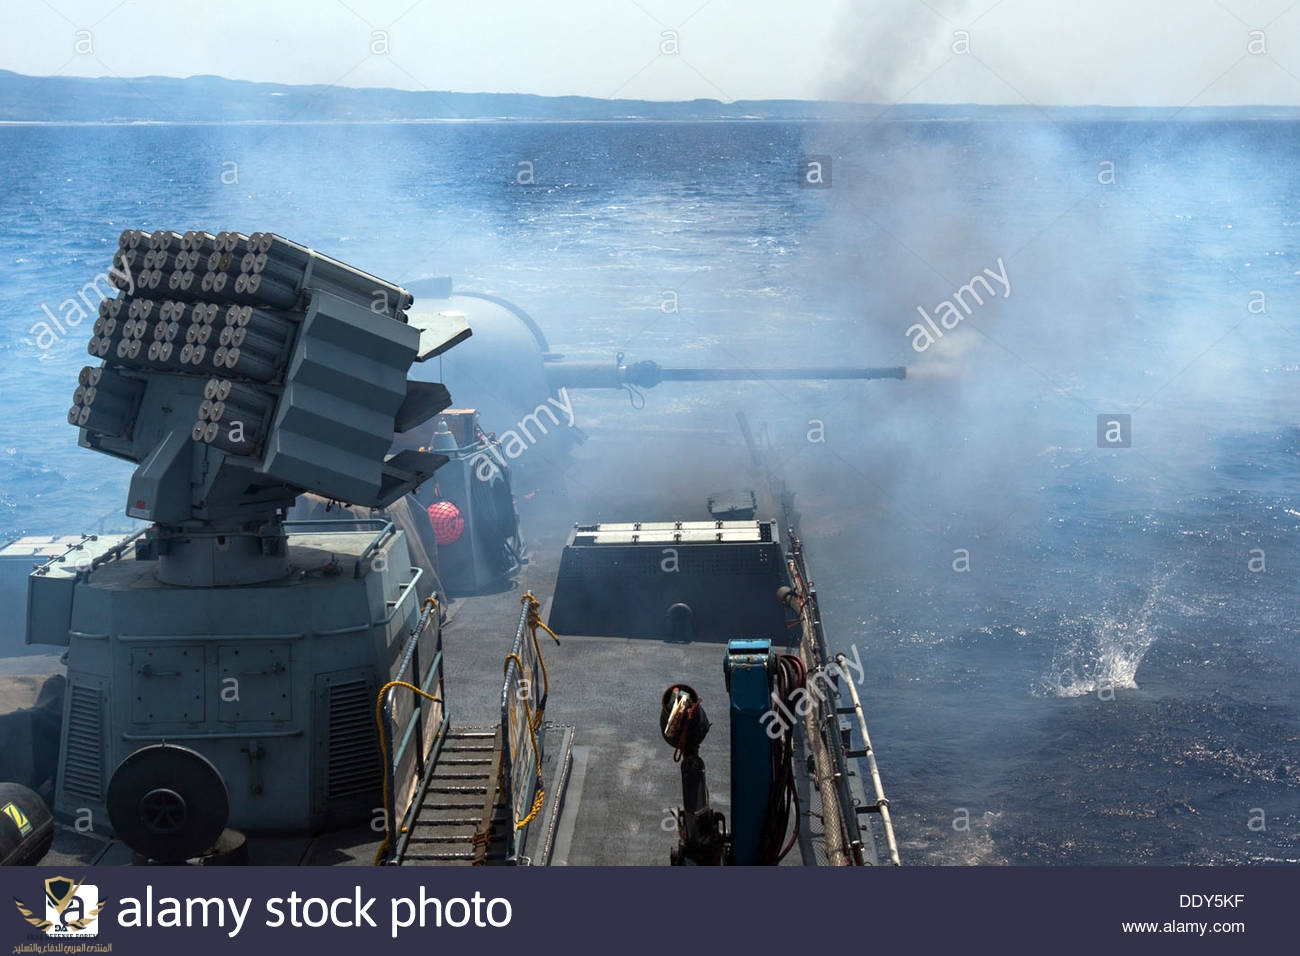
[
  {"x": 459, "y": 773},
  {"x": 440, "y": 838},
  {"x": 468, "y": 803},
  {"x": 445, "y": 821},
  {"x": 446, "y": 828},
  {"x": 467, "y": 854}
]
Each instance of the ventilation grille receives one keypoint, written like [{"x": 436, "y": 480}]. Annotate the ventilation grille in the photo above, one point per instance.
[
  {"x": 353, "y": 746},
  {"x": 83, "y": 768}
]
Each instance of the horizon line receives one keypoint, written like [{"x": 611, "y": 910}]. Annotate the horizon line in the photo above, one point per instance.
[{"x": 862, "y": 104}]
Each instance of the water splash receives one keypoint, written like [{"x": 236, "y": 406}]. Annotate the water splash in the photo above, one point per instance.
[
  {"x": 1102, "y": 652},
  {"x": 978, "y": 846}
]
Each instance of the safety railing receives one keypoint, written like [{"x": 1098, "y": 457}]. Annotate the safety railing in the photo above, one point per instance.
[
  {"x": 523, "y": 702},
  {"x": 881, "y": 803},
  {"x": 415, "y": 723},
  {"x": 842, "y": 799}
]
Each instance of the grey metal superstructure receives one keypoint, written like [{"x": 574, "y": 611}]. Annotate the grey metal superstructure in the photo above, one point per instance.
[{"x": 276, "y": 688}]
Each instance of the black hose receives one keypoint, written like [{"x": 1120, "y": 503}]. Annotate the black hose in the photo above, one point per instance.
[{"x": 783, "y": 796}]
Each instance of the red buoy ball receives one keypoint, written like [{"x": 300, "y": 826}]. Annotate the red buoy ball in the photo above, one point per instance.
[{"x": 448, "y": 525}]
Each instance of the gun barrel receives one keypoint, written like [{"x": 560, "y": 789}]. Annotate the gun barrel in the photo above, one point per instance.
[
  {"x": 647, "y": 374},
  {"x": 776, "y": 374}
]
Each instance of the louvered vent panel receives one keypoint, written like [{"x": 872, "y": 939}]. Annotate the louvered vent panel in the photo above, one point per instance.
[
  {"x": 83, "y": 769},
  {"x": 353, "y": 745}
]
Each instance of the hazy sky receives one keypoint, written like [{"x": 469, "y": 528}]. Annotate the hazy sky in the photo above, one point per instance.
[{"x": 1116, "y": 52}]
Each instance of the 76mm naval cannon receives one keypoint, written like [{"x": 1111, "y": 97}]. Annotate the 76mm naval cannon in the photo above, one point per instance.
[
  {"x": 516, "y": 380},
  {"x": 525, "y": 419}
]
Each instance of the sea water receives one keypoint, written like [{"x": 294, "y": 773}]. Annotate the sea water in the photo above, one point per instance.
[{"x": 1077, "y": 651}]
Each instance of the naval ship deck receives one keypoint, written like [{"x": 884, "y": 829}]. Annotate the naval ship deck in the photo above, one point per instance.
[
  {"x": 623, "y": 785},
  {"x": 611, "y": 781}
]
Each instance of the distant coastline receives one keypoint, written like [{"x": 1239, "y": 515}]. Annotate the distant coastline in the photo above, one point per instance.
[{"x": 211, "y": 100}]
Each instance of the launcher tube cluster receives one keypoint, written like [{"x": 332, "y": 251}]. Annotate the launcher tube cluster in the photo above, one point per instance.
[
  {"x": 257, "y": 269},
  {"x": 272, "y": 357}
]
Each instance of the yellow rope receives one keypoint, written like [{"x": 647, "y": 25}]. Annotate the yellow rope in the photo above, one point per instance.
[
  {"x": 534, "y": 621},
  {"x": 534, "y": 618},
  {"x": 537, "y": 808},
  {"x": 383, "y": 750}
]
